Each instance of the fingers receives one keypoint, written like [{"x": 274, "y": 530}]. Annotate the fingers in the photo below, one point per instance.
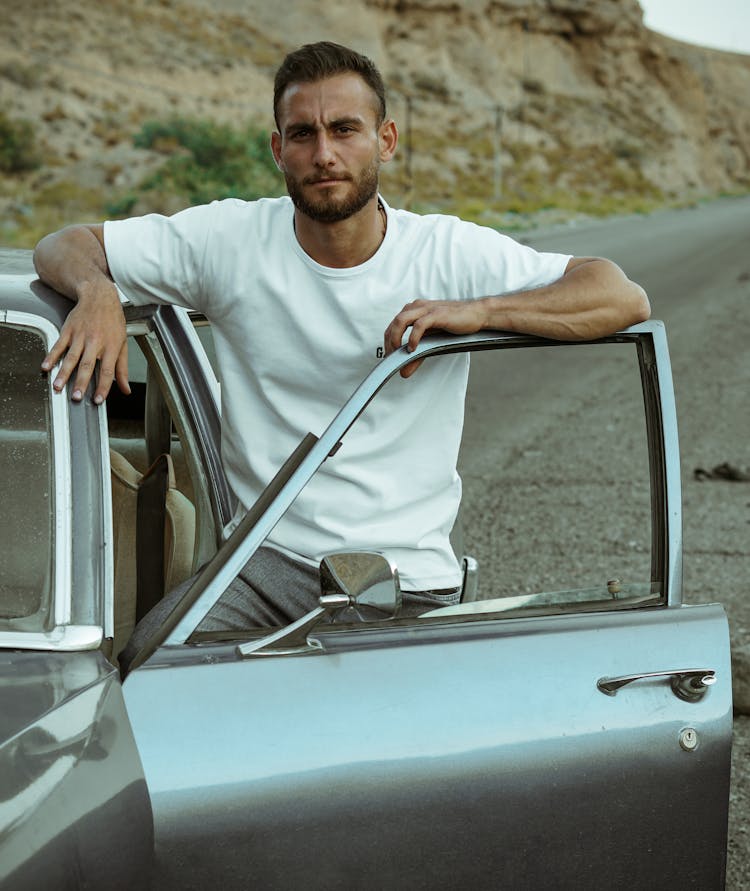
[
  {"x": 73, "y": 358},
  {"x": 104, "y": 383},
  {"x": 419, "y": 316},
  {"x": 121, "y": 370},
  {"x": 77, "y": 356},
  {"x": 67, "y": 351},
  {"x": 408, "y": 370},
  {"x": 454, "y": 316},
  {"x": 113, "y": 366},
  {"x": 427, "y": 319},
  {"x": 80, "y": 345},
  {"x": 394, "y": 333},
  {"x": 56, "y": 353},
  {"x": 426, "y": 315}
]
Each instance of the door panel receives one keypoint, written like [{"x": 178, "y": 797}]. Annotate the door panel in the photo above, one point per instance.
[{"x": 486, "y": 754}]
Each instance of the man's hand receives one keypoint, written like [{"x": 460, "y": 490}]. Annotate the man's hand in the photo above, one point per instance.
[
  {"x": 73, "y": 261},
  {"x": 453, "y": 316},
  {"x": 94, "y": 330}
]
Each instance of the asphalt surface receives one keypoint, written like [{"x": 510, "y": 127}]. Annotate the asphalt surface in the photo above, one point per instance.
[{"x": 695, "y": 266}]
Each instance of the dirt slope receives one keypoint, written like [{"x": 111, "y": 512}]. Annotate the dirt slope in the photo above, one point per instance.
[{"x": 582, "y": 97}]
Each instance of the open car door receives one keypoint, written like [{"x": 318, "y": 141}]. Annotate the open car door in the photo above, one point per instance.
[{"x": 554, "y": 732}]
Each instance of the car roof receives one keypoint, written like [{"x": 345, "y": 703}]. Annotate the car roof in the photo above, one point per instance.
[
  {"x": 22, "y": 291},
  {"x": 15, "y": 261}
]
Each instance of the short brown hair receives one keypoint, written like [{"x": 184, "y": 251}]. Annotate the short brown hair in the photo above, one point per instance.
[{"x": 317, "y": 61}]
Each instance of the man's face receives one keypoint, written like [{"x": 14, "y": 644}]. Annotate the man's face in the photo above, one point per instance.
[{"x": 330, "y": 146}]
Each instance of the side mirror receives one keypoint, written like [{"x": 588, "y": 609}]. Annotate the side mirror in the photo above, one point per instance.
[
  {"x": 356, "y": 587},
  {"x": 369, "y": 581}
]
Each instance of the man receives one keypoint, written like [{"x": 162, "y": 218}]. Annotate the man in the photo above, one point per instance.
[{"x": 298, "y": 291}]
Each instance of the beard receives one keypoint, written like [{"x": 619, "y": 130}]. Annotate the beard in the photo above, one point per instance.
[{"x": 326, "y": 208}]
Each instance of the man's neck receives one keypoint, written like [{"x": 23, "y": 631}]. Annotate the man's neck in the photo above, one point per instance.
[{"x": 345, "y": 244}]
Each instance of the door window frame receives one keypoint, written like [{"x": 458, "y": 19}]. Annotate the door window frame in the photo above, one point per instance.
[
  {"x": 64, "y": 635},
  {"x": 649, "y": 338}
]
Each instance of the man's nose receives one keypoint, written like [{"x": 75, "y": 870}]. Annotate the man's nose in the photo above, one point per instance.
[{"x": 324, "y": 155}]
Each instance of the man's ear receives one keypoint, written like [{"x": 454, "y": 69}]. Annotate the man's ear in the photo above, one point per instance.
[
  {"x": 388, "y": 139},
  {"x": 276, "y": 150}
]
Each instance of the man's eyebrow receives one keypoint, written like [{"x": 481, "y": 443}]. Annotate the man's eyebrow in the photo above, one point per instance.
[{"x": 349, "y": 120}]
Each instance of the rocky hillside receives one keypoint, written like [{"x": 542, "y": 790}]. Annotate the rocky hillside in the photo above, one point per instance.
[{"x": 502, "y": 104}]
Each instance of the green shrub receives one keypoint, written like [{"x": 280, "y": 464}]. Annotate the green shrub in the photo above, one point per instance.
[
  {"x": 18, "y": 151},
  {"x": 207, "y": 160},
  {"x": 121, "y": 206}
]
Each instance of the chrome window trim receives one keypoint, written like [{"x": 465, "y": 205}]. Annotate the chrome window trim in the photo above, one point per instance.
[
  {"x": 672, "y": 477},
  {"x": 65, "y": 638},
  {"x": 62, "y": 549},
  {"x": 108, "y": 534},
  {"x": 197, "y": 385},
  {"x": 138, "y": 328},
  {"x": 184, "y": 317}
]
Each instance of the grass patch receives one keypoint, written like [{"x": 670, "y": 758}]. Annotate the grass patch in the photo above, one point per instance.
[{"x": 205, "y": 161}]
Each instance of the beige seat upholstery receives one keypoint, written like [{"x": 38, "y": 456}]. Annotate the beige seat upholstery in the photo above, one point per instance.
[
  {"x": 125, "y": 479},
  {"x": 178, "y": 539}
]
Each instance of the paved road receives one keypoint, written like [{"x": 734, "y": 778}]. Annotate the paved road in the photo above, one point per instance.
[
  {"x": 679, "y": 256},
  {"x": 695, "y": 265}
]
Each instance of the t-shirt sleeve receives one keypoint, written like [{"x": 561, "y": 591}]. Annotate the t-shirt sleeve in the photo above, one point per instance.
[
  {"x": 158, "y": 259},
  {"x": 497, "y": 264}
]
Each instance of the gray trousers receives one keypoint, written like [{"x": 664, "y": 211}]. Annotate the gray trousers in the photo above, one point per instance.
[{"x": 270, "y": 591}]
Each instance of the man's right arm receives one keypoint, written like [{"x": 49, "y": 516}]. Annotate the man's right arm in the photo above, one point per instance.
[{"x": 73, "y": 261}]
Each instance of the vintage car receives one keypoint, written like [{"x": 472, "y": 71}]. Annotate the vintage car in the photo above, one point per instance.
[{"x": 567, "y": 725}]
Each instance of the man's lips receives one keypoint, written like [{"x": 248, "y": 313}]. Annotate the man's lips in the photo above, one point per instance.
[{"x": 326, "y": 181}]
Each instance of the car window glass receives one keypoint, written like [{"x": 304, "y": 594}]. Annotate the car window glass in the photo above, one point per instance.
[
  {"x": 556, "y": 502},
  {"x": 27, "y": 484},
  {"x": 205, "y": 335},
  {"x": 556, "y": 506}
]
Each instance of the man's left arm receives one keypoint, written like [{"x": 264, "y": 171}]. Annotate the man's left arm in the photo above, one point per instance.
[{"x": 593, "y": 298}]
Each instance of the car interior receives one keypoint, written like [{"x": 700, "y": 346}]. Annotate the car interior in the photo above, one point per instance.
[{"x": 153, "y": 496}]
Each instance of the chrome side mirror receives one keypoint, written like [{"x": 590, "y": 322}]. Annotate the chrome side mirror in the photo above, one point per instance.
[
  {"x": 368, "y": 579},
  {"x": 356, "y": 587}
]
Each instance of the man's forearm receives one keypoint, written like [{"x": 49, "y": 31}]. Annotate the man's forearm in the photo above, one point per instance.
[
  {"x": 593, "y": 299},
  {"x": 73, "y": 261}
]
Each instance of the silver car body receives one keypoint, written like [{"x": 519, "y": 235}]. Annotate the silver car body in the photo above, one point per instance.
[{"x": 487, "y": 746}]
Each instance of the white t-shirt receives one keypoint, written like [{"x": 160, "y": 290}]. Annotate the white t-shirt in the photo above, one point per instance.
[{"x": 294, "y": 339}]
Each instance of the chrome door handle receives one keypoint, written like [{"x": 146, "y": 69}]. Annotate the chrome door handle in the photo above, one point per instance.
[{"x": 689, "y": 684}]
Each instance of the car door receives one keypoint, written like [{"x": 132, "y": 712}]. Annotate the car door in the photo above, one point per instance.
[
  {"x": 553, "y": 733},
  {"x": 74, "y": 807}
]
